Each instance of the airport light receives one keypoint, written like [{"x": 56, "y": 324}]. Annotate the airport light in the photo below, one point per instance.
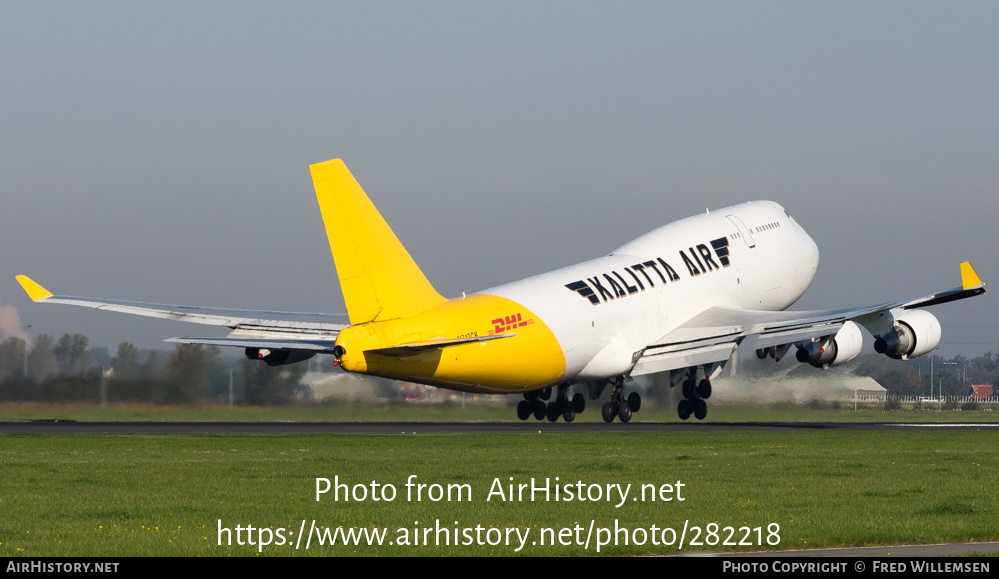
[
  {"x": 961, "y": 370},
  {"x": 24, "y": 373}
]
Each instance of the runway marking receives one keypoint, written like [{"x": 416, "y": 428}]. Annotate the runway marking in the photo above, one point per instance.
[{"x": 945, "y": 424}]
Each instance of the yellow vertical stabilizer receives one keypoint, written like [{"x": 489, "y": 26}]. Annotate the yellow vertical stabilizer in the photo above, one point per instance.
[{"x": 379, "y": 279}]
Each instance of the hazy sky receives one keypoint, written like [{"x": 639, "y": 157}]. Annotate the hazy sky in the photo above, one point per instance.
[{"x": 160, "y": 151}]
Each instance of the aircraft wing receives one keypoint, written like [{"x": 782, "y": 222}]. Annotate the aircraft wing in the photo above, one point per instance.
[
  {"x": 250, "y": 328},
  {"x": 714, "y": 334}
]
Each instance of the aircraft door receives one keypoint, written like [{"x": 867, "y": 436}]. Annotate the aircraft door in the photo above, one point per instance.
[{"x": 743, "y": 230}]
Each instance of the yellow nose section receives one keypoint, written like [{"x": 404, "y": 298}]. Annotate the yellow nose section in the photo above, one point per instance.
[{"x": 530, "y": 358}]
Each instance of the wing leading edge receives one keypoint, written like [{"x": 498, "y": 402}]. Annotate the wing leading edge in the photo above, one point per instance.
[{"x": 713, "y": 335}]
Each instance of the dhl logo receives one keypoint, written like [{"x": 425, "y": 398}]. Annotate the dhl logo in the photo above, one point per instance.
[{"x": 507, "y": 323}]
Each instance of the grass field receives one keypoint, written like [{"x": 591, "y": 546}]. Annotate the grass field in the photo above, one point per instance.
[
  {"x": 357, "y": 412},
  {"x": 164, "y": 495}
]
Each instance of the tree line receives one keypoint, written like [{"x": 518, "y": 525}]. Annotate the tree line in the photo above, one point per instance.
[{"x": 68, "y": 370}]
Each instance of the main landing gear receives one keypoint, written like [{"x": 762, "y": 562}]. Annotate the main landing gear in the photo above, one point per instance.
[
  {"x": 694, "y": 395},
  {"x": 537, "y": 403},
  {"x": 534, "y": 404},
  {"x": 620, "y": 406}
]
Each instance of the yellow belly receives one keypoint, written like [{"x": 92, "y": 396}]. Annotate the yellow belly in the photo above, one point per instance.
[{"x": 529, "y": 360}]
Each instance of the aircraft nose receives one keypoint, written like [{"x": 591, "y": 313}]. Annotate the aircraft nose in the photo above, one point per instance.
[{"x": 811, "y": 254}]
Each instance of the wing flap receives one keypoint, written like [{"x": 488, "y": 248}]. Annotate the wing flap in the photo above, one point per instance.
[
  {"x": 653, "y": 363},
  {"x": 797, "y": 335}
]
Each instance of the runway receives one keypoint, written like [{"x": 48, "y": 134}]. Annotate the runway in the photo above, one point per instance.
[{"x": 71, "y": 427}]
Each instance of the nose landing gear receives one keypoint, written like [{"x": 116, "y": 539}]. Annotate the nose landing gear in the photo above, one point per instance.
[{"x": 619, "y": 406}]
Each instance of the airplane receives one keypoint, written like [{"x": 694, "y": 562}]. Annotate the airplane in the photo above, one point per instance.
[{"x": 679, "y": 300}]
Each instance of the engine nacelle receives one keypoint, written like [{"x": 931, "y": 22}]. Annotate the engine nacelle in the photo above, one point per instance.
[
  {"x": 916, "y": 332},
  {"x": 841, "y": 349},
  {"x": 278, "y": 357}
]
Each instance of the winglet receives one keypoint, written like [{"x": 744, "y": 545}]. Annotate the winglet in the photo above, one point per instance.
[
  {"x": 34, "y": 291},
  {"x": 969, "y": 278}
]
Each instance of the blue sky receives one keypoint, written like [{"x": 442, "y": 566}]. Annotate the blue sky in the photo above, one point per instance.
[{"x": 160, "y": 152}]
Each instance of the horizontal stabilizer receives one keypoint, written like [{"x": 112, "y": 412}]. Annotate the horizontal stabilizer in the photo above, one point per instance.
[
  {"x": 307, "y": 345},
  {"x": 410, "y": 348}
]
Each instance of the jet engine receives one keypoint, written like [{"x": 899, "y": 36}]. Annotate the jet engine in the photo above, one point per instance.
[
  {"x": 278, "y": 357},
  {"x": 845, "y": 346},
  {"x": 916, "y": 332}
]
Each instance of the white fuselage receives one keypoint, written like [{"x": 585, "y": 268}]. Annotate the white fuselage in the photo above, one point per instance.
[{"x": 605, "y": 310}]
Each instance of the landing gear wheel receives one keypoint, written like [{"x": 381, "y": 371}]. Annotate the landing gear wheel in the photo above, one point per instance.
[
  {"x": 700, "y": 409},
  {"x": 552, "y": 412},
  {"x": 635, "y": 401},
  {"x": 608, "y": 412},
  {"x": 569, "y": 415},
  {"x": 545, "y": 394},
  {"x": 690, "y": 387},
  {"x": 539, "y": 409},
  {"x": 704, "y": 389},
  {"x": 683, "y": 409},
  {"x": 624, "y": 413},
  {"x": 524, "y": 410},
  {"x": 578, "y": 403}
]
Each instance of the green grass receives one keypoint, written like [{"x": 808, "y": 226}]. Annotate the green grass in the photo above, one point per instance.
[
  {"x": 163, "y": 495},
  {"x": 472, "y": 412}
]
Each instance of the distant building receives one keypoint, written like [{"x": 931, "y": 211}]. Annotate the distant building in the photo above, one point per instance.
[{"x": 981, "y": 391}]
